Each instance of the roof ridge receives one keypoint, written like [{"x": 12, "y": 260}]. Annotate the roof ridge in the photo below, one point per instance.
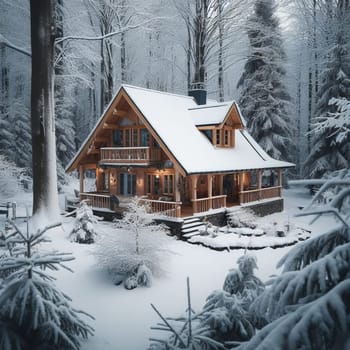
[
  {"x": 156, "y": 91},
  {"x": 219, "y": 104}
]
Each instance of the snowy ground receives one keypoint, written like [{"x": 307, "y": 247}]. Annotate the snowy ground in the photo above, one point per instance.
[{"x": 123, "y": 318}]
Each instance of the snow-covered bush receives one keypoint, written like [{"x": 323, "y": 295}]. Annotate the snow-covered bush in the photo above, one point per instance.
[
  {"x": 142, "y": 277},
  {"x": 12, "y": 178},
  {"x": 34, "y": 313},
  {"x": 135, "y": 241},
  {"x": 83, "y": 230},
  {"x": 308, "y": 305},
  {"x": 241, "y": 218},
  {"x": 242, "y": 282},
  {"x": 225, "y": 317}
]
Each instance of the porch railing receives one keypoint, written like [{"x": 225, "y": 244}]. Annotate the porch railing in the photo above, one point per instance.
[
  {"x": 172, "y": 209},
  {"x": 130, "y": 154},
  {"x": 259, "y": 194},
  {"x": 97, "y": 200},
  {"x": 201, "y": 205}
]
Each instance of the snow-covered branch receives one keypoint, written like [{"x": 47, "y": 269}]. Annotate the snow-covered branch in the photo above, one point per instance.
[
  {"x": 6, "y": 42},
  {"x": 102, "y": 37}
]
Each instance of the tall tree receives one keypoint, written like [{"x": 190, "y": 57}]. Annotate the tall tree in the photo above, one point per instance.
[
  {"x": 264, "y": 98},
  {"x": 45, "y": 198},
  {"x": 329, "y": 151}
]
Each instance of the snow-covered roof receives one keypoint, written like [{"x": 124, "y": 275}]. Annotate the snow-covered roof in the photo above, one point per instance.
[
  {"x": 171, "y": 117},
  {"x": 210, "y": 114},
  {"x": 174, "y": 118}
]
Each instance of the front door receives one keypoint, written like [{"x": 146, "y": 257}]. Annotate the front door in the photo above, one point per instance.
[{"x": 127, "y": 184}]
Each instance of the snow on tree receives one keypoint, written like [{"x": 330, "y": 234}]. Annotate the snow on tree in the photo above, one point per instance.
[
  {"x": 264, "y": 99},
  {"x": 308, "y": 305},
  {"x": 34, "y": 313},
  {"x": 330, "y": 144},
  {"x": 83, "y": 230},
  {"x": 242, "y": 282},
  {"x": 136, "y": 241},
  {"x": 45, "y": 197},
  {"x": 15, "y": 137},
  {"x": 225, "y": 317},
  {"x": 12, "y": 178}
]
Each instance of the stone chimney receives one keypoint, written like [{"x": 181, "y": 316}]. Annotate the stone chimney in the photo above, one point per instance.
[{"x": 199, "y": 93}]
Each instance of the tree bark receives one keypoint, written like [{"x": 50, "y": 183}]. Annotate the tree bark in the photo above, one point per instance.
[{"x": 45, "y": 198}]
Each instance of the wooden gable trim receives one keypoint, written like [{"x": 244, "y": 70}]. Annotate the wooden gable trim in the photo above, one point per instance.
[
  {"x": 235, "y": 116},
  {"x": 154, "y": 134},
  {"x": 87, "y": 146}
]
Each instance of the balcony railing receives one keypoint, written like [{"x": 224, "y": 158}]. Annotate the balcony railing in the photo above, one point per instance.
[
  {"x": 172, "y": 209},
  {"x": 204, "y": 204},
  {"x": 259, "y": 194},
  {"x": 97, "y": 200},
  {"x": 130, "y": 155}
]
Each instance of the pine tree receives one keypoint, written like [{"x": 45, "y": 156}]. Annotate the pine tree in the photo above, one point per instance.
[
  {"x": 137, "y": 241},
  {"x": 331, "y": 150},
  {"x": 83, "y": 230},
  {"x": 308, "y": 305},
  {"x": 264, "y": 100},
  {"x": 34, "y": 313}
]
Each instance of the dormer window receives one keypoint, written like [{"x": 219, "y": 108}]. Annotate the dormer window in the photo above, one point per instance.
[{"x": 217, "y": 137}]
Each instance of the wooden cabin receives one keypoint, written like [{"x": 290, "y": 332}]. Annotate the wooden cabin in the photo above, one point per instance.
[{"x": 181, "y": 157}]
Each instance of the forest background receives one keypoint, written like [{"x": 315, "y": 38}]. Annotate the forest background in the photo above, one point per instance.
[{"x": 286, "y": 63}]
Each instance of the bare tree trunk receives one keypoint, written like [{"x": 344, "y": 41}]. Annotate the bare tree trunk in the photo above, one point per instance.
[
  {"x": 220, "y": 58},
  {"x": 45, "y": 199}
]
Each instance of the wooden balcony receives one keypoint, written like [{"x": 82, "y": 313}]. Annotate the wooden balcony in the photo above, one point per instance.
[
  {"x": 259, "y": 194},
  {"x": 204, "y": 204},
  {"x": 130, "y": 155}
]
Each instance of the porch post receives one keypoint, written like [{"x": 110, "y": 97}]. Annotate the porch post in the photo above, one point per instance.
[
  {"x": 194, "y": 180},
  {"x": 259, "y": 183},
  {"x": 241, "y": 187},
  {"x": 280, "y": 182},
  {"x": 81, "y": 178},
  {"x": 177, "y": 192},
  {"x": 221, "y": 184},
  {"x": 210, "y": 191}
]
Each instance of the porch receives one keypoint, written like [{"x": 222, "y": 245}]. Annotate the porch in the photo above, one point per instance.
[{"x": 167, "y": 193}]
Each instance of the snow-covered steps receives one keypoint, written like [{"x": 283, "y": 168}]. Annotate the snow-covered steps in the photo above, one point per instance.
[{"x": 191, "y": 227}]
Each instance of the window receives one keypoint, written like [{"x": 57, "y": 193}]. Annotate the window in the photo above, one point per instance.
[
  {"x": 227, "y": 137},
  {"x": 135, "y": 137},
  {"x": 168, "y": 184},
  {"x": 105, "y": 181},
  {"x": 218, "y": 138},
  {"x": 144, "y": 138},
  {"x": 153, "y": 184},
  {"x": 118, "y": 138}
]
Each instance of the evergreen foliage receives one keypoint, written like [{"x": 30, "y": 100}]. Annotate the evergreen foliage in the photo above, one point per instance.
[
  {"x": 34, "y": 313},
  {"x": 264, "y": 100},
  {"x": 308, "y": 305},
  {"x": 137, "y": 241},
  {"x": 225, "y": 317},
  {"x": 12, "y": 178},
  {"x": 83, "y": 230},
  {"x": 15, "y": 136},
  {"x": 331, "y": 143}
]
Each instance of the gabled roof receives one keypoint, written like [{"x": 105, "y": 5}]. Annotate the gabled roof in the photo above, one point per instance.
[{"x": 173, "y": 119}]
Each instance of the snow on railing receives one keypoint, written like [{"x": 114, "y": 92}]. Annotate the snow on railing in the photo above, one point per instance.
[
  {"x": 259, "y": 194},
  {"x": 97, "y": 200},
  {"x": 167, "y": 208},
  {"x": 201, "y": 205}
]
